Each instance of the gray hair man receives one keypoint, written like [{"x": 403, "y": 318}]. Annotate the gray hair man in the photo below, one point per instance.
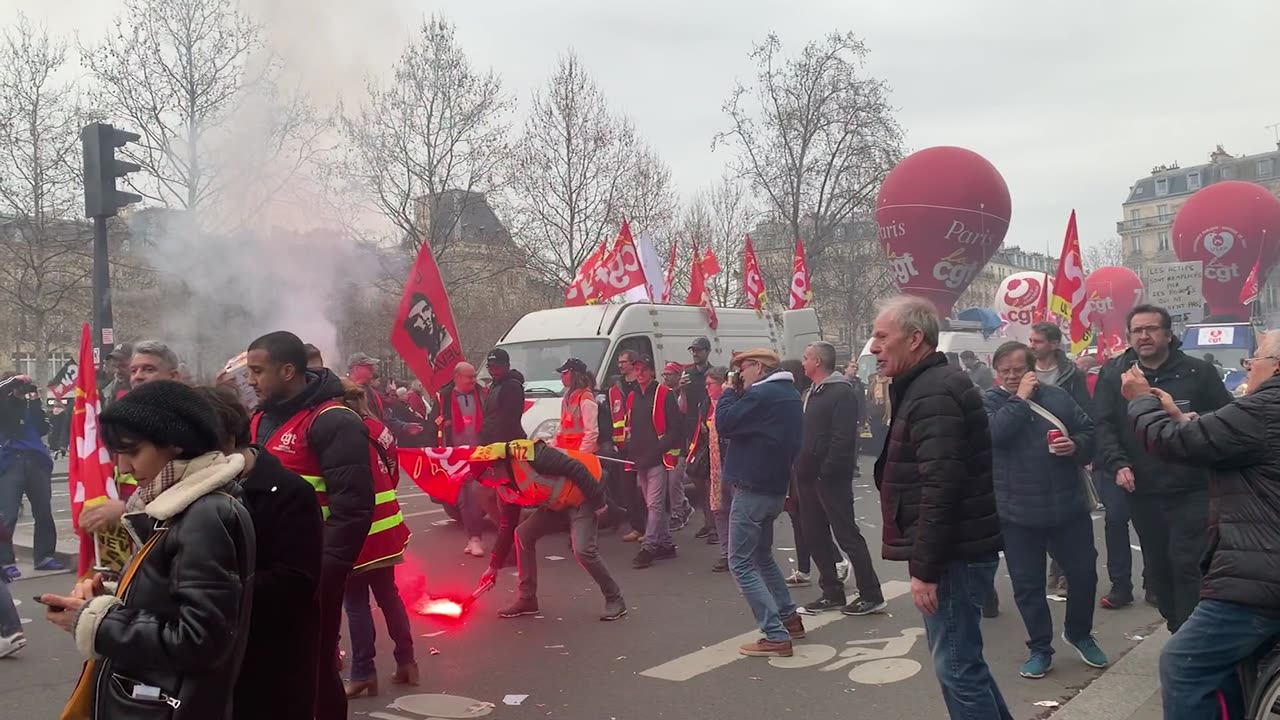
[
  {"x": 937, "y": 500},
  {"x": 152, "y": 360},
  {"x": 824, "y": 479}
]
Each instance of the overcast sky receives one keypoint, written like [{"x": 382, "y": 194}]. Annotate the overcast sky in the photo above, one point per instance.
[{"x": 1072, "y": 102}]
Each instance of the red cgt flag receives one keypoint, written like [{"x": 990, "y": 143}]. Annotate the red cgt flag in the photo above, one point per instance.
[
  {"x": 1249, "y": 293},
  {"x": 89, "y": 471},
  {"x": 440, "y": 472},
  {"x": 424, "y": 333},
  {"x": 620, "y": 269},
  {"x": 710, "y": 264},
  {"x": 1069, "y": 300},
  {"x": 699, "y": 294},
  {"x": 801, "y": 290},
  {"x": 582, "y": 291},
  {"x": 752, "y": 280}
]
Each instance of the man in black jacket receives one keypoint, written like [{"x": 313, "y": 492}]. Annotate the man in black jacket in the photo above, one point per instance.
[
  {"x": 1169, "y": 501},
  {"x": 824, "y": 477},
  {"x": 331, "y": 444},
  {"x": 937, "y": 501},
  {"x": 1239, "y": 609},
  {"x": 503, "y": 422},
  {"x": 649, "y": 448}
]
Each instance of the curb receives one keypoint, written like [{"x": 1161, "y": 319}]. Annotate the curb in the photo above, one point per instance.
[
  {"x": 1124, "y": 688},
  {"x": 23, "y": 546}
]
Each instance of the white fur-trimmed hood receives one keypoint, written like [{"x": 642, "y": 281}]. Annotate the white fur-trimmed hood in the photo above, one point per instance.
[{"x": 205, "y": 474}]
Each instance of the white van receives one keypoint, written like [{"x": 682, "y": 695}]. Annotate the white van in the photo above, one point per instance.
[{"x": 539, "y": 342}]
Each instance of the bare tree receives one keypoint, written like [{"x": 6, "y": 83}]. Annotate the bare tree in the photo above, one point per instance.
[
  {"x": 194, "y": 79},
  {"x": 426, "y": 146},
  {"x": 45, "y": 271},
  {"x": 1102, "y": 254},
  {"x": 578, "y": 168},
  {"x": 718, "y": 218}
]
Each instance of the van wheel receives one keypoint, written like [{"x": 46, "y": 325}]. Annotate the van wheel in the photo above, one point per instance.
[{"x": 452, "y": 511}]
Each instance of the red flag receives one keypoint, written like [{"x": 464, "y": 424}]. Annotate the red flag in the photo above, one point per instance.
[
  {"x": 89, "y": 471},
  {"x": 801, "y": 291},
  {"x": 1041, "y": 313},
  {"x": 710, "y": 265},
  {"x": 752, "y": 280},
  {"x": 1249, "y": 293},
  {"x": 424, "y": 333},
  {"x": 582, "y": 291},
  {"x": 1069, "y": 300},
  {"x": 670, "y": 278},
  {"x": 699, "y": 295},
  {"x": 620, "y": 270},
  {"x": 438, "y": 471}
]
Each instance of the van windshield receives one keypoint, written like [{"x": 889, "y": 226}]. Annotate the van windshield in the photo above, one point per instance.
[
  {"x": 538, "y": 360},
  {"x": 866, "y": 368}
]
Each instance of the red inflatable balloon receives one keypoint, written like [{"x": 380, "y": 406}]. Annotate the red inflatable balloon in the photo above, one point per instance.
[
  {"x": 942, "y": 213},
  {"x": 1225, "y": 226},
  {"x": 1112, "y": 292}
]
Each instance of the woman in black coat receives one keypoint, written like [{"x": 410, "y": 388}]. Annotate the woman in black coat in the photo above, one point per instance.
[
  {"x": 278, "y": 678},
  {"x": 171, "y": 643}
]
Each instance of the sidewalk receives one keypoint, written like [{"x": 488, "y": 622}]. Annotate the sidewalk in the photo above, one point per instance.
[{"x": 1129, "y": 690}]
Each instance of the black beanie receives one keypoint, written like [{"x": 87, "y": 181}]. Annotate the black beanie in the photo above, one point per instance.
[{"x": 167, "y": 414}]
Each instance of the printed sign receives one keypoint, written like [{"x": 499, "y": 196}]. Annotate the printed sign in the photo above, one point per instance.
[
  {"x": 1217, "y": 336},
  {"x": 1176, "y": 288}
]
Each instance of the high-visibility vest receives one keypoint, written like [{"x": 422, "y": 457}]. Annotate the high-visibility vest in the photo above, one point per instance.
[
  {"x": 672, "y": 457},
  {"x": 617, "y": 411},
  {"x": 573, "y": 427},
  {"x": 388, "y": 535},
  {"x": 126, "y": 484},
  {"x": 536, "y": 490},
  {"x": 292, "y": 448}
]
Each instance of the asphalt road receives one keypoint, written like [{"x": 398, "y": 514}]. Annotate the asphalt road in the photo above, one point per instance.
[{"x": 674, "y": 656}]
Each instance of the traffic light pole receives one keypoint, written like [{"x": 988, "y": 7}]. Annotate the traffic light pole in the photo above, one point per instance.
[{"x": 103, "y": 334}]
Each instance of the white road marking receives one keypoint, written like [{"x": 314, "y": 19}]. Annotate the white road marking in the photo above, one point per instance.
[
  {"x": 716, "y": 656},
  {"x": 406, "y": 516}
]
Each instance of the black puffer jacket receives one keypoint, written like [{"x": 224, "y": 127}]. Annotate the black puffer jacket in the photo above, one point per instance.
[
  {"x": 934, "y": 473},
  {"x": 1183, "y": 377},
  {"x": 504, "y": 410},
  {"x": 183, "y": 623},
  {"x": 1240, "y": 445},
  {"x": 829, "y": 449}
]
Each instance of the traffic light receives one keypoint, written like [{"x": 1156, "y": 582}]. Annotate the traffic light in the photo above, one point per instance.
[{"x": 101, "y": 168}]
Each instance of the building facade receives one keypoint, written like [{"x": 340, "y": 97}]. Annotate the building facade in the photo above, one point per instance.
[{"x": 1007, "y": 261}]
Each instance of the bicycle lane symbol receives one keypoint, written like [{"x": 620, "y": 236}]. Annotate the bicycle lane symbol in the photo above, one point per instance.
[{"x": 877, "y": 661}]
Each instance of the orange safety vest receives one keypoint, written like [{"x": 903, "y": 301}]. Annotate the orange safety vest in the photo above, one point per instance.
[
  {"x": 388, "y": 535},
  {"x": 573, "y": 427},
  {"x": 672, "y": 457},
  {"x": 292, "y": 448},
  {"x": 534, "y": 490},
  {"x": 617, "y": 411}
]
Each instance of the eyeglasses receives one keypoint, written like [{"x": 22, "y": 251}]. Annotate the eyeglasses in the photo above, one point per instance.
[
  {"x": 1146, "y": 330},
  {"x": 1012, "y": 371},
  {"x": 1247, "y": 363}
]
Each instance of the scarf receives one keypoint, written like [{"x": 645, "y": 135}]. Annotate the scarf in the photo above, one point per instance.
[
  {"x": 171, "y": 475},
  {"x": 456, "y": 410}
]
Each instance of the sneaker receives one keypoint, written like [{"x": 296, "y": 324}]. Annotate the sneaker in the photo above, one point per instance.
[
  {"x": 1089, "y": 651},
  {"x": 1036, "y": 666},
  {"x": 523, "y": 606},
  {"x": 1151, "y": 599},
  {"x": 798, "y": 579},
  {"x": 1061, "y": 590},
  {"x": 991, "y": 607},
  {"x": 1116, "y": 599},
  {"x": 633, "y": 536},
  {"x": 665, "y": 553},
  {"x": 12, "y": 644},
  {"x": 842, "y": 570},
  {"x": 721, "y": 566},
  {"x": 50, "y": 564},
  {"x": 12, "y": 572},
  {"x": 861, "y": 607},
  {"x": 613, "y": 609},
  {"x": 794, "y": 626},
  {"x": 474, "y": 548},
  {"x": 767, "y": 648},
  {"x": 643, "y": 559},
  {"x": 822, "y": 604},
  {"x": 713, "y": 538},
  {"x": 704, "y": 531}
]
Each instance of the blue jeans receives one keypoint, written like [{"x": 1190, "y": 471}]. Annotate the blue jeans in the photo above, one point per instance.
[
  {"x": 1072, "y": 546},
  {"x": 1201, "y": 658},
  {"x": 382, "y": 581},
  {"x": 1119, "y": 555},
  {"x": 657, "y": 528},
  {"x": 10, "y": 623},
  {"x": 751, "y": 519},
  {"x": 955, "y": 641},
  {"x": 722, "y": 517}
]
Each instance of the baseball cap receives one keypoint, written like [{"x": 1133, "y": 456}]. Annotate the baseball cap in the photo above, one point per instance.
[
  {"x": 121, "y": 351},
  {"x": 673, "y": 367},
  {"x": 361, "y": 359},
  {"x": 572, "y": 364},
  {"x": 701, "y": 344},
  {"x": 498, "y": 356},
  {"x": 645, "y": 361}
]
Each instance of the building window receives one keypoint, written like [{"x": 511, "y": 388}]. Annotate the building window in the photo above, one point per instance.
[
  {"x": 1229, "y": 172},
  {"x": 1162, "y": 186},
  {"x": 1162, "y": 213},
  {"x": 1137, "y": 245},
  {"x": 1266, "y": 167},
  {"x": 1135, "y": 214},
  {"x": 1193, "y": 181},
  {"x": 1163, "y": 244}
]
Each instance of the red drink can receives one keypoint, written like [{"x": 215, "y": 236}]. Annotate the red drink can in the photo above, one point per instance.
[{"x": 1055, "y": 434}]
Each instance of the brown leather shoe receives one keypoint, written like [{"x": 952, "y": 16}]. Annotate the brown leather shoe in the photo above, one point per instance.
[
  {"x": 632, "y": 536},
  {"x": 356, "y": 688},
  {"x": 767, "y": 648},
  {"x": 794, "y": 626},
  {"x": 406, "y": 675}
]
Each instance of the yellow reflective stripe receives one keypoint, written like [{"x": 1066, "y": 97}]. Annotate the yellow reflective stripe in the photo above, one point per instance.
[
  {"x": 324, "y": 511},
  {"x": 675, "y": 452},
  {"x": 385, "y": 496},
  {"x": 317, "y": 482},
  {"x": 619, "y": 423},
  {"x": 386, "y": 523}
]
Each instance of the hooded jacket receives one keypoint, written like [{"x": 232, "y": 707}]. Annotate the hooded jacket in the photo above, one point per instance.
[
  {"x": 1240, "y": 446},
  {"x": 1183, "y": 377},
  {"x": 341, "y": 443},
  {"x": 183, "y": 623},
  {"x": 762, "y": 427},
  {"x": 829, "y": 449},
  {"x": 504, "y": 410},
  {"x": 1075, "y": 383}
]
